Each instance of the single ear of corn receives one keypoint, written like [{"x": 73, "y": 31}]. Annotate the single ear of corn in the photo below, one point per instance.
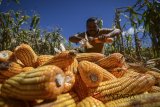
[
  {"x": 62, "y": 60},
  {"x": 80, "y": 88},
  {"x": 69, "y": 81},
  {"x": 156, "y": 75},
  {"x": 90, "y": 73},
  {"x": 73, "y": 67},
  {"x": 117, "y": 72},
  {"x": 8, "y": 102},
  {"x": 43, "y": 59},
  {"x": 90, "y": 102},
  {"x": 125, "y": 86},
  {"x": 26, "y": 55},
  {"x": 130, "y": 72},
  {"x": 6, "y": 56},
  {"x": 112, "y": 61},
  {"x": 41, "y": 83},
  {"x": 142, "y": 100},
  {"x": 92, "y": 57},
  {"x": 107, "y": 75},
  {"x": 137, "y": 67},
  {"x": 2, "y": 78},
  {"x": 12, "y": 68},
  {"x": 26, "y": 69},
  {"x": 154, "y": 89},
  {"x": 64, "y": 100}
]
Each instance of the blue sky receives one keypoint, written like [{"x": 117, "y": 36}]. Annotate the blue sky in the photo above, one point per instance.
[{"x": 70, "y": 15}]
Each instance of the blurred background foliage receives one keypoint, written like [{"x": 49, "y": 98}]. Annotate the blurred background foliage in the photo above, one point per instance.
[
  {"x": 140, "y": 25},
  {"x": 142, "y": 39}
]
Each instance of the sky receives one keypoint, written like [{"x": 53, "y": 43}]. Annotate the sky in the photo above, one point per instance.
[{"x": 70, "y": 15}]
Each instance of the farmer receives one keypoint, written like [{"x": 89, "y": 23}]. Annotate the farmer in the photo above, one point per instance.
[{"x": 93, "y": 31}]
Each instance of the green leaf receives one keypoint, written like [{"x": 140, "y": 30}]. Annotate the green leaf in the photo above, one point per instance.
[
  {"x": 33, "y": 21},
  {"x": 0, "y": 2},
  {"x": 36, "y": 22}
]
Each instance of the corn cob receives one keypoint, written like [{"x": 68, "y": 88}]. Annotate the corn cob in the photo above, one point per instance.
[
  {"x": 69, "y": 81},
  {"x": 138, "y": 67},
  {"x": 107, "y": 75},
  {"x": 2, "y": 78},
  {"x": 11, "y": 69},
  {"x": 154, "y": 89},
  {"x": 142, "y": 100},
  {"x": 19, "y": 62},
  {"x": 155, "y": 74},
  {"x": 43, "y": 59},
  {"x": 80, "y": 87},
  {"x": 41, "y": 83},
  {"x": 6, "y": 56},
  {"x": 117, "y": 72},
  {"x": 142, "y": 84},
  {"x": 26, "y": 55},
  {"x": 26, "y": 69},
  {"x": 120, "y": 87},
  {"x": 62, "y": 60},
  {"x": 90, "y": 73},
  {"x": 90, "y": 102},
  {"x": 7, "y": 102},
  {"x": 63, "y": 100},
  {"x": 112, "y": 61},
  {"x": 73, "y": 67},
  {"x": 130, "y": 72},
  {"x": 92, "y": 57}
]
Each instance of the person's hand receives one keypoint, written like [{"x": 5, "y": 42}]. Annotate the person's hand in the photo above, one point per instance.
[{"x": 103, "y": 37}]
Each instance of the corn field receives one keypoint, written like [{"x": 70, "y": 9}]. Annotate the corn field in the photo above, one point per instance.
[
  {"x": 17, "y": 27},
  {"x": 144, "y": 19}
]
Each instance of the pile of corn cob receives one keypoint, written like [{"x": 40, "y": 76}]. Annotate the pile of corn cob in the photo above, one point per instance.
[{"x": 70, "y": 79}]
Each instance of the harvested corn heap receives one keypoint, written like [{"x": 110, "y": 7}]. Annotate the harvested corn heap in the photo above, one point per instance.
[
  {"x": 142, "y": 100},
  {"x": 63, "y": 100},
  {"x": 69, "y": 80},
  {"x": 90, "y": 102},
  {"x": 8, "y": 102}
]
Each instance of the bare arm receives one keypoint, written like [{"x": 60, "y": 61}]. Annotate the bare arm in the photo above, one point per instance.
[
  {"x": 76, "y": 38},
  {"x": 114, "y": 33},
  {"x": 106, "y": 35}
]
